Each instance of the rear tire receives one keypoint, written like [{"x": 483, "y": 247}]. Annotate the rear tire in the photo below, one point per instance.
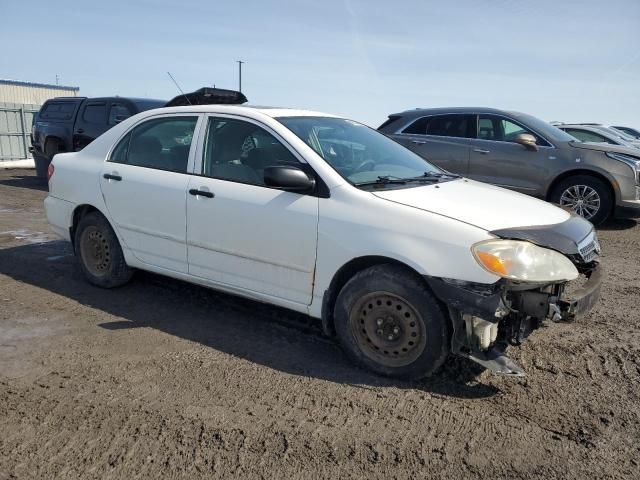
[
  {"x": 389, "y": 322},
  {"x": 595, "y": 195},
  {"x": 99, "y": 253}
]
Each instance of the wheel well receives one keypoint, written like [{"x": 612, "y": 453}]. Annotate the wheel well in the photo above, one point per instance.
[
  {"x": 572, "y": 173},
  {"x": 79, "y": 212},
  {"x": 343, "y": 275}
]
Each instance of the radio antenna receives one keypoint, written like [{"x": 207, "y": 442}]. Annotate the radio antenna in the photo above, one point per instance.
[{"x": 179, "y": 89}]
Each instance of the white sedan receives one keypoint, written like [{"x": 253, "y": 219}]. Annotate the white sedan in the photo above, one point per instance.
[{"x": 404, "y": 262}]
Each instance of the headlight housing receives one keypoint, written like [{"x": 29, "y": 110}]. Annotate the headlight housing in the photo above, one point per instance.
[
  {"x": 523, "y": 261},
  {"x": 633, "y": 162}
]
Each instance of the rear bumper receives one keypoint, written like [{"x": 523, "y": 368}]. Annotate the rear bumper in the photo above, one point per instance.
[{"x": 59, "y": 215}]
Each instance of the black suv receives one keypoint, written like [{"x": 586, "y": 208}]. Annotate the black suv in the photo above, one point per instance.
[{"x": 68, "y": 124}]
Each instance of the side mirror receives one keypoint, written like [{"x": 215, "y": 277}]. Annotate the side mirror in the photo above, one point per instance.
[
  {"x": 291, "y": 179},
  {"x": 528, "y": 141}
]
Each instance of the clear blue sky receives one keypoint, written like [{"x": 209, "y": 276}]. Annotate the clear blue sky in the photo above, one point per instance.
[{"x": 571, "y": 60}]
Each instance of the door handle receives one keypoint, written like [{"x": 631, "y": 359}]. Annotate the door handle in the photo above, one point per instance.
[
  {"x": 80, "y": 130},
  {"x": 204, "y": 193},
  {"x": 418, "y": 142},
  {"x": 481, "y": 150},
  {"x": 110, "y": 176}
]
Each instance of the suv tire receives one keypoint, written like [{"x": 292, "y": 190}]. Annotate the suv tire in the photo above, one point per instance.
[
  {"x": 389, "y": 322},
  {"x": 591, "y": 190}
]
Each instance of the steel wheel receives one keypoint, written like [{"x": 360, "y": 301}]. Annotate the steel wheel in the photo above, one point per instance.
[
  {"x": 95, "y": 251},
  {"x": 388, "y": 329},
  {"x": 582, "y": 199}
]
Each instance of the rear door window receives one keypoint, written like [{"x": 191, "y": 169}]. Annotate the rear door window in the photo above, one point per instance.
[
  {"x": 95, "y": 113},
  {"x": 450, "y": 125},
  {"x": 161, "y": 143}
]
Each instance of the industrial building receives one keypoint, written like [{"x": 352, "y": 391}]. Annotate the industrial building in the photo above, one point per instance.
[{"x": 19, "y": 101}]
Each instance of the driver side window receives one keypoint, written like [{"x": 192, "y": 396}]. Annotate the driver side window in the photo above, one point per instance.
[
  {"x": 500, "y": 129},
  {"x": 239, "y": 151}
]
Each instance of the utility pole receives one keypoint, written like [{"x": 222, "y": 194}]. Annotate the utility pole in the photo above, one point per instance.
[
  {"x": 57, "y": 79},
  {"x": 240, "y": 62}
]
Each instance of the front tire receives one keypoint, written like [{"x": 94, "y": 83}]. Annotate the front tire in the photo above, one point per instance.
[
  {"x": 99, "y": 253},
  {"x": 588, "y": 196},
  {"x": 389, "y": 322}
]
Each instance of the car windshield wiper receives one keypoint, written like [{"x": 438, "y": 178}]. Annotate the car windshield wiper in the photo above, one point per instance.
[
  {"x": 434, "y": 175},
  {"x": 383, "y": 180}
]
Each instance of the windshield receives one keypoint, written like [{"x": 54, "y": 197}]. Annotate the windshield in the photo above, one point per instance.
[{"x": 357, "y": 152}]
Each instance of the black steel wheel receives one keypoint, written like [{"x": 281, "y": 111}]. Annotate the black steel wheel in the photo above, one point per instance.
[
  {"x": 99, "y": 253},
  {"x": 389, "y": 322}
]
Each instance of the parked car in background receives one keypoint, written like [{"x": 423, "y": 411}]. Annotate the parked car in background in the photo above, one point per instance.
[
  {"x": 523, "y": 153},
  {"x": 629, "y": 131},
  {"x": 590, "y": 132},
  {"x": 404, "y": 262},
  {"x": 68, "y": 124}
]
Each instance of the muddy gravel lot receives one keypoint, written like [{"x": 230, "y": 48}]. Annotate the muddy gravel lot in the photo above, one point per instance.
[{"x": 165, "y": 379}]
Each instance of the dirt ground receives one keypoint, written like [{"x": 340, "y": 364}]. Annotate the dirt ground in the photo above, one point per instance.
[{"x": 164, "y": 379}]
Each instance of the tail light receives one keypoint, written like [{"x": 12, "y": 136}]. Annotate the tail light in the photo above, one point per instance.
[{"x": 50, "y": 171}]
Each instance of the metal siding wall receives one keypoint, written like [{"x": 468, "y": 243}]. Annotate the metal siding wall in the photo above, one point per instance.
[
  {"x": 31, "y": 95},
  {"x": 15, "y": 130}
]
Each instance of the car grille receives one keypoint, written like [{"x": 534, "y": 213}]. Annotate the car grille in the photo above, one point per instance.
[{"x": 589, "y": 248}]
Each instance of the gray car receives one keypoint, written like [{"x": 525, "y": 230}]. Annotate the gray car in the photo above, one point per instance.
[
  {"x": 526, "y": 154},
  {"x": 588, "y": 132}
]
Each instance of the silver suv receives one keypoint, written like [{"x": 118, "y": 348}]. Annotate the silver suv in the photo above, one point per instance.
[{"x": 526, "y": 154}]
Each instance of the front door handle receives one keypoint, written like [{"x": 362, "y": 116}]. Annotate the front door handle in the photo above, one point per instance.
[
  {"x": 481, "y": 150},
  {"x": 204, "y": 193},
  {"x": 110, "y": 176},
  {"x": 418, "y": 142}
]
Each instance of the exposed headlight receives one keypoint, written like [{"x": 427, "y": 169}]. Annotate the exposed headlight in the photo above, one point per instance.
[
  {"x": 633, "y": 162},
  {"x": 523, "y": 261}
]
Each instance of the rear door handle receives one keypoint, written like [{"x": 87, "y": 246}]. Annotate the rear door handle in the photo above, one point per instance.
[
  {"x": 204, "y": 193},
  {"x": 110, "y": 176},
  {"x": 418, "y": 142},
  {"x": 80, "y": 130},
  {"x": 481, "y": 150}
]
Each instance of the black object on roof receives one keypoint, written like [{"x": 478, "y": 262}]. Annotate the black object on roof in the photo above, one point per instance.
[{"x": 208, "y": 96}]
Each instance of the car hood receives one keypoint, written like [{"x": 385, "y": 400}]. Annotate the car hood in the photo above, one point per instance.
[
  {"x": 479, "y": 204},
  {"x": 606, "y": 147}
]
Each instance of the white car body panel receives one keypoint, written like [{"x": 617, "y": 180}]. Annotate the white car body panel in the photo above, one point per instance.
[{"x": 274, "y": 246}]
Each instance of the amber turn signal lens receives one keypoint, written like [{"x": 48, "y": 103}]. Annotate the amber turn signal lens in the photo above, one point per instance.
[{"x": 492, "y": 263}]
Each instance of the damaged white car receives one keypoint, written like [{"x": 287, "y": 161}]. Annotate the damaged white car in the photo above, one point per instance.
[{"x": 404, "y": 262}]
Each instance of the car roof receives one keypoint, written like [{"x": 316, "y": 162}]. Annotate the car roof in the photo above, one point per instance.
[
  {"x": 440, "y": 110},
  {"x": 246, "y": 110}
]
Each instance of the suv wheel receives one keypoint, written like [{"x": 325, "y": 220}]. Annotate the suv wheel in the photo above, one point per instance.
[
  {"x": 99, "y": 253},
  {"x": 388, "y": 322},
  {"x": 588, "y": 196}
]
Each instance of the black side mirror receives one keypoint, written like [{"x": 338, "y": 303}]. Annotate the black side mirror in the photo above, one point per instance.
[
  {"x": 287, "y": 178},
  {"x": 528, "y": 141}
]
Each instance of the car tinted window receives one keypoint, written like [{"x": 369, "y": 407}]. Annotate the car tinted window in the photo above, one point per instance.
[
  {"x": 451, "y": 125},
  {"x": 95, "y": 113},
  {"x": 500, "y": 129},
  {"x": 586, "y": 136},
  {"x": 240, "y": 151},
  {"x": 58, "y": 111},
  {"x": 162, "y": 143},
  {"x": 419, "y": 127},
  {"x": 117, "y": 113}
]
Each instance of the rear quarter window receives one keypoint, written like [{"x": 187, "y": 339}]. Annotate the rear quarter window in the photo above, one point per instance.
[{"x": 57, "y": 111}]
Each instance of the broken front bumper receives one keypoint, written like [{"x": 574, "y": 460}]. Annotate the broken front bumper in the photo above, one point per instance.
[{"x": 488, "y": 318}]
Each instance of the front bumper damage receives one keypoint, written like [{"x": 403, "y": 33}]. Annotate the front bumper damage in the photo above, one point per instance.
[{"x": 488, "y": 318}]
